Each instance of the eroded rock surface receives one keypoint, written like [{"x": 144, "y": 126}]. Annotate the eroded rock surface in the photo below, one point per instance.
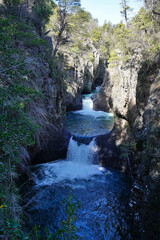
[
  {"x": 131, "y": 91},
  {"x": 79, "y": 71}
]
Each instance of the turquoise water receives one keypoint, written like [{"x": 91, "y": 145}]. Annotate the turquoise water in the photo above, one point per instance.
[{"x": 88, "y": 122}]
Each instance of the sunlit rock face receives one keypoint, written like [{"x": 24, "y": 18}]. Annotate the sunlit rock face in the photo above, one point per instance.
[
  {"x": 81, "y": 75},
  {"x": 131, "y": 90},
  {"x": 81, "y": 72},
  {"x": 118, "y": 92},
  {"x": 118, "y": 95}
]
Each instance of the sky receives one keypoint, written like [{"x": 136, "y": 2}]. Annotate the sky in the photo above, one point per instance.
[{"x": 109, "y": 10}]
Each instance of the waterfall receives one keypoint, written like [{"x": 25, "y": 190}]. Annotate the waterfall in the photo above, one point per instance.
[
  {"x": 87, "y": 104},
  {"x": 78, "y": 165},
  {"x": 81, "y": 153}
]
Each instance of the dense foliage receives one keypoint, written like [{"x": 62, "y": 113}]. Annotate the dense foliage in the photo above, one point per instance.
[
  {"x": 142, "y": 33},
  {"x": 16, "y": 128}
]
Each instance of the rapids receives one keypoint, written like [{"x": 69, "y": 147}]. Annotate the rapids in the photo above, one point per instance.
[{"x": 102, "y": 193}]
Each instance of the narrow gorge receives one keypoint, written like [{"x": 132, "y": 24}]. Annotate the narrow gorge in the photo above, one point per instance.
[
  {"x": 81, "y": 175},
  {"x": 79, "y": 124}
]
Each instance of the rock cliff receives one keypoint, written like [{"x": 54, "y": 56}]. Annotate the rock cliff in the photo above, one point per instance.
[
  {"x": 47, "y": 111},
  {"x": 59, "y": 83},
  {"x": 79, "y": 70},
  {"x": 132, "y": 91},
  {"x": 118, "y": 92},
  {"x": 81, "y": 73}
]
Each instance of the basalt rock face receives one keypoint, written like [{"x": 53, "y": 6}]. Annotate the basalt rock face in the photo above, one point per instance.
[
  {"x": 80, "y": 70},
  {"x": 145, "y": 195},
  {"x": 81, "y": 74},
  {"x": 118, "y": 92},
  {"x": 118, "y": 95},
  {"x": 48, "y": 110},
  {"x": 131, "y": 90},
  {"x": 109, "y": 147}
]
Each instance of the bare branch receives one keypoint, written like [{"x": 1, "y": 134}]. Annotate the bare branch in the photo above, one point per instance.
[{"x": 157, "y": 13}]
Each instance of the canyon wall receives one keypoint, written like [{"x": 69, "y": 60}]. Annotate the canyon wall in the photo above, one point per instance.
[
  {"x": 60, "y": 83},
  {"x": 78, "y": 70},
  {"x": 48, "y": 110},
  {"x": 131, "y": 90}
]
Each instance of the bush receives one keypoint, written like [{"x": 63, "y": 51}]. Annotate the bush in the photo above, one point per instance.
[
  {"x": 16, "y": 128},
  {"x": 12, "y": 6},
  {"x": 44, "y": 9}
]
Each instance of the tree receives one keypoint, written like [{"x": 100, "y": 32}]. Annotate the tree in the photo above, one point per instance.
[
  {"x": 12, "y": 6},
  {"x": 64, "y": 10},
  {"x": 43, "y": 9},
  {"x": 142, "y": 21},
  {"x": 153, "y": 5},
  {"x": 125, "y": 10},
  {"x": 121, "y": 34},
  {"x": 150, "y": 3}
]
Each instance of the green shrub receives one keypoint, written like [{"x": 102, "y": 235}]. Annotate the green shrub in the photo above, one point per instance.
[
  {"x": 12, "y": 6},
  {"x": 113, "y": 57},
  {"x": 68, "y": 230},
  {"x": 16, "y": 129},
  {"x": 44, "y": 9},
  {"x": 91, "y": 57}
]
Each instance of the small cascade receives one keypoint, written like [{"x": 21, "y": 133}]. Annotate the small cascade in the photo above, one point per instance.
[
  {"x": 81, "y": 153},
  {"x": 87, "y": 104},
  {"x": 88, "y": 122}
]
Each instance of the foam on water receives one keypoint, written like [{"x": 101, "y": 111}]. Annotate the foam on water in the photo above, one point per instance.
[
  {"x": 78, "y": 165},
  {"x": 87, "y": 108},
  {"x": 87, "y": 104},
  {"x": 82, "y": 153},
  {"x": 95, "y": 114},
  {"x": 56, "y": 172}
]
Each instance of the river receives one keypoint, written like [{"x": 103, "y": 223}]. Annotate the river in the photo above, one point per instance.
[{"x": 103, "y": 193}]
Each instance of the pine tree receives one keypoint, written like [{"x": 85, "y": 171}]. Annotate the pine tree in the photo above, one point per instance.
[
  {"x": 65, "y": 9},
  {"x": 125, "y": 10}
]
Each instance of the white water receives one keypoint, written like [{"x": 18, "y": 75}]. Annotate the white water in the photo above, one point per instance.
[
  {"x": 87, "y": 108},
  {"x": 97, "y": 89},
  {"x": 87, "y": 104},
  {"x": 88, "y": 122},
  {"x": 95, "y": 187},
  {"x": 80, "y": 157},
  {"x": 78, "y": 165},
  {"x": 82, "y": 153}
]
